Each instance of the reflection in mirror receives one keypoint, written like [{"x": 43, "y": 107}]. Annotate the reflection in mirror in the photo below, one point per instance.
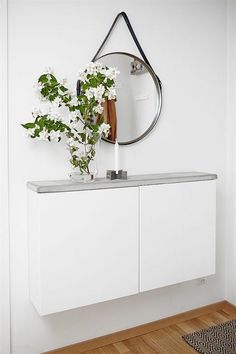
[{"x": 138, "y": 103}]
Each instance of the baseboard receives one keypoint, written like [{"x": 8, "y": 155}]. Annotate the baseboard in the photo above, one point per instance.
[{"x": 141, "y": 330}]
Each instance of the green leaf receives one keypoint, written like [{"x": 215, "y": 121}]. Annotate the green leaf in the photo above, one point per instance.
[
  {"x": 28, "y": 125},
  {"x": 43, "y": 78},
  {"x": 63, "y": 88}
]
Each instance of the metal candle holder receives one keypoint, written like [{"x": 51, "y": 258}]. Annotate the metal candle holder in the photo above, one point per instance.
[{"x": 112, "y": 174}]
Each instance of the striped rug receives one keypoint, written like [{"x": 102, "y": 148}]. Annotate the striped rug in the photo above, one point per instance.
[{"x": 214, "y": 340}]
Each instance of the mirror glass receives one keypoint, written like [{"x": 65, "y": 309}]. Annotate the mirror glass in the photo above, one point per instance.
[{"x": 137, "y": 107}]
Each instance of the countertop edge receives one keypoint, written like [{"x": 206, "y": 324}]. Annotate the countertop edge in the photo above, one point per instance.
[{"x": 152, "y": 179}]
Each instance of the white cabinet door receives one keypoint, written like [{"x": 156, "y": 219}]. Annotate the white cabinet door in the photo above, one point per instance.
[
  {"x": 177, "y": 233},
  {"x": 83, "y": 247}
]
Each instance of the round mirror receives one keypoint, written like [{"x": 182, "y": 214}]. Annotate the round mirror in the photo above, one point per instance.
[{"x": 137, "y": 107}]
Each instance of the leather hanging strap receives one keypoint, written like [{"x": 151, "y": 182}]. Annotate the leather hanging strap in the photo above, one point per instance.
[{"x": 126, "y": 19}]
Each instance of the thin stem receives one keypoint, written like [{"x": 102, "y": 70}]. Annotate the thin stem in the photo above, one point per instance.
[{"x": 86, "y": 155}]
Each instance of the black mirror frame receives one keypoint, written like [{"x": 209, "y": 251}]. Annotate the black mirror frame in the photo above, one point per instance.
[
  {"x": 145, "y": 62},
  {"x": 159, "y": 92}
]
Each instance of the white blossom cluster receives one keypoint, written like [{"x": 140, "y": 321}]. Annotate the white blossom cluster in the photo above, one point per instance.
[
  {"x": 104, "y": 129},
  {"x": 95, "y": 68},
  {"x": 82, "y": 126},
  {"x": 99, "y": 93},
  {"x": 44, "y": 134},
  {"x": 73, "y": 142},
  {"x": 58, "y": 101},
  {"x": 51, "y": 110}
]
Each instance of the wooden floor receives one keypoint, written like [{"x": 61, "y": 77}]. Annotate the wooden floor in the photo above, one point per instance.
[
  {"x": 163, "y": 336},
  {"x": 167, "y": 340}
]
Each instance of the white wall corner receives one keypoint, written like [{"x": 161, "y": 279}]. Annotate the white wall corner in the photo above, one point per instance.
[
  {"x": 230, "y": 285},
  {"x": 4, "y": 229}
]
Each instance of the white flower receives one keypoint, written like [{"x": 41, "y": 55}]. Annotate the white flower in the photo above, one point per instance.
[
  {"x": 74, "y": 101},
  {"x": 82, "y": 76},
  {"x": 43, "y": 135},
  {"x": 48, "y": 70},
  {"x": 56, "y": 102},
  {"x": 71, "y": 142},
  {"x": 98, "y": 93},
  {"x": 91, "y": 68},
  {"x": 55, "y": 135},
  {"x": 74, "y": 115},
  {"x": 47, "y": 110},
  {"x": 36, "y": 112},
  {"x": 74, "y": 129},
  {"x": 38, "y": 86},
  {"x": 111, "y": 73},
  {"x": 74, "y": 120},
  {"x": 111, "y": 93},
  {"x": 74, "y": 125},
  {"x": 98, "y": 109},
  {"x": 78, "y": 153},
  {"x": 99, "y": 66},
  {"x": 29, "y": 132},
  {"x": 55, "y": 115},
  {"x": 104, "y": 129},
  {"x": 89, "y": 93},
  {"x": 62, "y": 82},
  {"x": 88, "y": 132},
  {"x": 103, "y": 71},
  {"x": 42, "y": 98}
]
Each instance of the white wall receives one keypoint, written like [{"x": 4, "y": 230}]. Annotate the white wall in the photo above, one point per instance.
[
  {"x": 4, "y": 232},
  {"x": 185, "y": 41},
  {"x": 231, "y": 155}
]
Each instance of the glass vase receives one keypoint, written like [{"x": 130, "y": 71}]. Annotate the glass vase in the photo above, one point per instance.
[{"x": 91, "y": 173}]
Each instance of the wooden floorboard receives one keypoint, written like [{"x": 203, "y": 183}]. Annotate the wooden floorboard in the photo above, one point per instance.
[
  {"x": 160, "y": 337},
  {"x": 169, "y": 340}
]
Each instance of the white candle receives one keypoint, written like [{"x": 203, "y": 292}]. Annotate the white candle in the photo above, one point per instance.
[{"x": 116, "y": 156}]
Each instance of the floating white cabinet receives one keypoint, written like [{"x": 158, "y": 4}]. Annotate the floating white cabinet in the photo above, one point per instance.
[
  {"x": 177, "y": 233},
  {"x": 83, "y": 247},
  {"x": 95, "y": 242}
]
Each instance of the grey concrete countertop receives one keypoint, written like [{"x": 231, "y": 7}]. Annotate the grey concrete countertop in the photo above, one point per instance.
[{"x": 132, "y": 181}]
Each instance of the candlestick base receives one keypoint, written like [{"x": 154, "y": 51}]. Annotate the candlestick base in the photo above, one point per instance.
[{"x": 112, "y": 174}]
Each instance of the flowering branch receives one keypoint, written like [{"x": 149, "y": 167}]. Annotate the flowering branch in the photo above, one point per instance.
[{"x": 86, "y": 124}]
